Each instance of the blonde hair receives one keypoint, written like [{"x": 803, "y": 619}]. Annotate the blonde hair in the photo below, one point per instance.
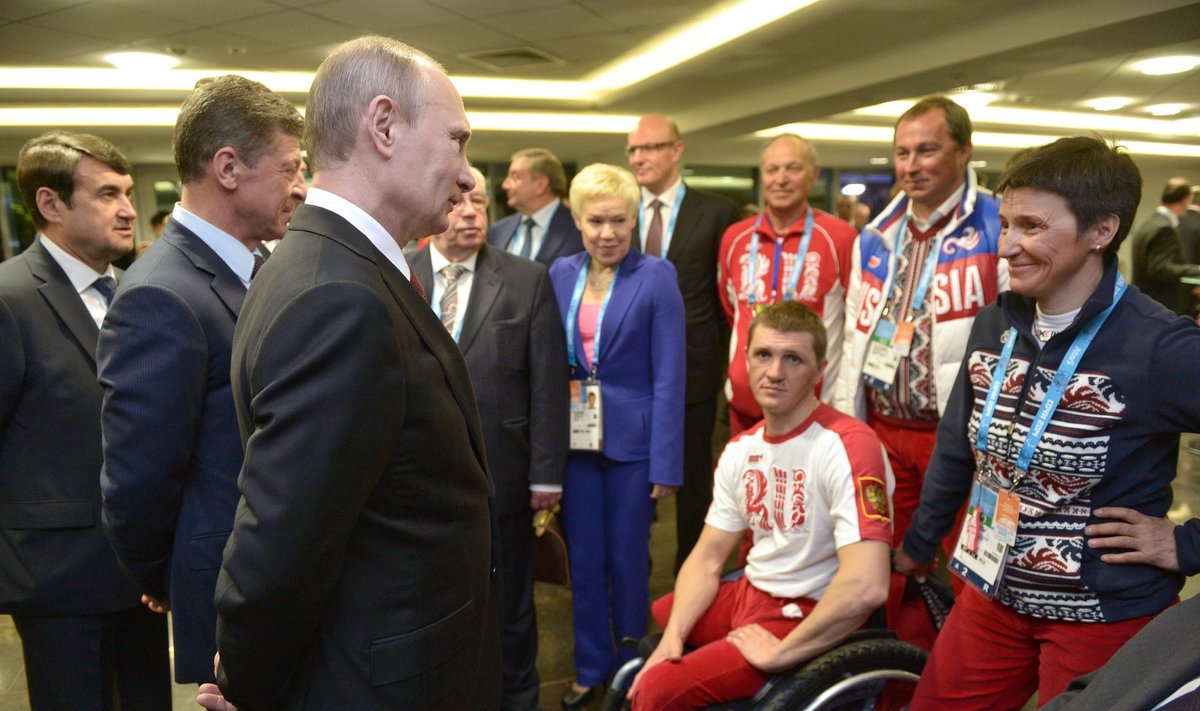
[{"x": 601, "y": 180}]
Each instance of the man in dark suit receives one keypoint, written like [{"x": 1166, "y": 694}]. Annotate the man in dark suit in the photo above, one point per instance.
[
  {"x": 686, "y": 226},
  {"x": 502, "y": 312},
  {"x": 542, "y": 227},
  {"x": 172, "y": 451},
  {"x": 1158, "y": 258},
  {"x": 360, "y": 570},
  {"x": 82, "y": 628},
  {"x": 1189, "y": 228}
]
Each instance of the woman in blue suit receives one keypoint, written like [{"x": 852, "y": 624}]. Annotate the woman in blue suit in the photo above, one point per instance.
[{"x": 623, "y": 315}]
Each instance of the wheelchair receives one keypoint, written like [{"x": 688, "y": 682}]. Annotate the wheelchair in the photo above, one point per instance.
[{"x": 871, "y": 670}]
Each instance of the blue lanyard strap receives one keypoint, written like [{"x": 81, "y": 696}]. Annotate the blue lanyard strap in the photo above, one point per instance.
[
  {"x": 1054, "y": 393},
  {"x": 776, "y": 269},
  {"x": 670, "y": 231},
  {"x": 573, "y": 314},
  {"x": 918, "y": 295}
]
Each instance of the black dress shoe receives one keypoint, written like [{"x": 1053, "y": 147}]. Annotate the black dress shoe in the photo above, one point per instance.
[{"x": 577, "y": 700}]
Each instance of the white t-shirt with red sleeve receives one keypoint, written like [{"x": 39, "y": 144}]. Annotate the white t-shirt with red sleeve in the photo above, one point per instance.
[{"x": 805, "y": 494}]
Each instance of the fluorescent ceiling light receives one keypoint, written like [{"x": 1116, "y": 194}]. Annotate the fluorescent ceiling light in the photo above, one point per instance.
[
  {"x": 973, "y": 100},
  {"x": 978, "y": 164},
  {"x": 1160, "y": 66},
  {"x": 727, "y": 23},
  {"x": 854, "y": 189},
  {"x": 1167, "y": 109},
  {"x": 981, "y": 139},
  {"x": 141, "y": 61},
  {"x": 1108, "y": 103},
  {"x": 86, "y": 116},
  {"x": 880, "y": 160},
  {"x": 730, "y": 21}
]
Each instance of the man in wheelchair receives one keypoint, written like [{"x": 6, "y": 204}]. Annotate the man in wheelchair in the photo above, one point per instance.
[{"x": 813, "y": 486}]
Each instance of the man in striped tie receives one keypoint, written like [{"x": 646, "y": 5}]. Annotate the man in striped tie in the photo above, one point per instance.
[{"x": 501, "y": 311}]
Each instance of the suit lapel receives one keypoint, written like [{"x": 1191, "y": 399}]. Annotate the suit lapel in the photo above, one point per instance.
[
  {"x": 62, "y": 298},
  {"x": 685, "y": 227},
  {"x": 485, "y": 288},
  {"x": 225, "y": 284},
  {"x": 427, "y": 327}
]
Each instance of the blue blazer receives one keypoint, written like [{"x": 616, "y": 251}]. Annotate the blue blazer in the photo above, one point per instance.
[
  {"x": 562, "y": 236},
  {"x": 642, "y": 361},
  {"x": 172, "y": 451}
]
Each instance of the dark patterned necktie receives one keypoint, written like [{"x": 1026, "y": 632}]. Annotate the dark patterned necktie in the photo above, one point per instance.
[
  {"x": 527, "y": 247},
  {"x": 258, "y": 262},
  {"x": 107, "y": 286}
]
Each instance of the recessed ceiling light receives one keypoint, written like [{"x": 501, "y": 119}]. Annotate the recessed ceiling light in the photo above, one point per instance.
[
  {"x": 1159, "y": 66},
  {"x": 141, "y": 61},
  {"x": 854, "y": 189},
  {"x": 1109, "y": 103},
  {"x": 1167, "y": 109}
]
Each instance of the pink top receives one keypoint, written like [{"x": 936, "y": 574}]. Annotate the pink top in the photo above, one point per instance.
[{"x": 587, "y": 330}]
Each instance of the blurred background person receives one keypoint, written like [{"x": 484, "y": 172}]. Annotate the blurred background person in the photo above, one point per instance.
[
  {"x": 1066, "y": 413},
  {"x": 624, "y": 322},
  {"x": 541, "y": 228},
  {"x": 1159, "y": 260}
]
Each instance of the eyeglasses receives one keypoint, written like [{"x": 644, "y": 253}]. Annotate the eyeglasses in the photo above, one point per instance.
[{"x": 648, "y": 147}]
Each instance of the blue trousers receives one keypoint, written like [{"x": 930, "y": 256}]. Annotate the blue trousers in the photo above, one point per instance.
[{"x": 607, "y": 511}]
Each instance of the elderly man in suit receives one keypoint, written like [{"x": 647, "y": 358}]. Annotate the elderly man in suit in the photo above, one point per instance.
[
  {"x": 684, "y": 225},
  {"x": 502, "y": 312},
  {"x": 541, "y": 228},
  {"x": 171, "y": 447},
  {"x": 1158, "y": 252},
  {"x": 360, "y": 570},
  {"x": 81, "y": 625}
]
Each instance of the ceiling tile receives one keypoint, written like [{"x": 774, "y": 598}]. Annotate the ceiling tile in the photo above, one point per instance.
[
  {"x": 23, "y": 9},
  {"x": 292, "y": 28},
  {"x": 204, "y": 47},
  {"x": 22, "y": 44},
  {"x": 208, "y": 12},
  {"x": 109, "y": 21},
  {"x": 372, "y": 14},
  {"x": 446, "y": 39},
  {"x": 532, "y": 25},
  {"x": 475, "y": 8}
]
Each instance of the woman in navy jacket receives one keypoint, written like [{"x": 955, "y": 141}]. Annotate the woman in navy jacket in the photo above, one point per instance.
[{"x": 623, "y": 315}]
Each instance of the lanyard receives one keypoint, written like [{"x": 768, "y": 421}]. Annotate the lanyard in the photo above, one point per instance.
[
  {"x": 670, "y": 231},
  {"x": 918, "y": 295},
  {"x": 573, "y": 311},
  {"x": 776, "y": 268},
  {"x": 1054, "y": 394}
]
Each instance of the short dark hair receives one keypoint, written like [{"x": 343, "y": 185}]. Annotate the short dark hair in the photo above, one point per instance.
[
  {"x": 159, "y": 217},
  {"x": 232, "y": 111},
  {"x": 1176, "y": 190},
  {"x": 544, "y": 163},
  {"x": 1095, "y": 178},
  {"x": 792, "y": 317},
  {"x": 49, "y": 161},
  {"x": 957, "y": 118}
]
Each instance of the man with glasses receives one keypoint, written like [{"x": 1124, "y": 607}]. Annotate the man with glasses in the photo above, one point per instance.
[
  {"x": 790, "y": 252},
  {"x": 542, "y": 228},
  {"x": 684, "y": 225}
]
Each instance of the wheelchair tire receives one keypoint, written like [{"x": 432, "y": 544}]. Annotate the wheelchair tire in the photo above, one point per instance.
[{"x": 847, "y": 678}]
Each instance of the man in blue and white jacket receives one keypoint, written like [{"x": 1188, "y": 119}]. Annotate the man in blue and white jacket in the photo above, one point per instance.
[{"x": 920, "y": 273}]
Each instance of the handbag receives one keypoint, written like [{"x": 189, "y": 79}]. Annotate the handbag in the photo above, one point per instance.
[{"x": 550, "y": 562}]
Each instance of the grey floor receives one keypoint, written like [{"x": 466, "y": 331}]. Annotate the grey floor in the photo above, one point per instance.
[{"x": 554, "y": 604}]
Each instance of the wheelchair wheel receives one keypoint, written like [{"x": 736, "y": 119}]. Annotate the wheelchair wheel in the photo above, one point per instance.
[{"x": 859, "y": 676}]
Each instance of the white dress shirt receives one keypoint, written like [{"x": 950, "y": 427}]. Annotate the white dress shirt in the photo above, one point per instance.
[
  {"x": 83, "y": 279},
  {"x": 364, "y": 223}
]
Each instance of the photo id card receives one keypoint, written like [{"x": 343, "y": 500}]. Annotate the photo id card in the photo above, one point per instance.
[
  {"x": 989, "y": 528},
  {"x": 879, "y": 370},
  {"x": 587, "y": 425}
]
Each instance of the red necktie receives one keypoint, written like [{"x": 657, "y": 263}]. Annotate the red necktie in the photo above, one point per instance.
[{"x": 417, "y": 284}]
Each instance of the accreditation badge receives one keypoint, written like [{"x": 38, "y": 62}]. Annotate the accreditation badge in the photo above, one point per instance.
[
  {"x": 587, "y": 424},
  {"x": 883, "y": 359},
  {"x": 989, "y": 530}
]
